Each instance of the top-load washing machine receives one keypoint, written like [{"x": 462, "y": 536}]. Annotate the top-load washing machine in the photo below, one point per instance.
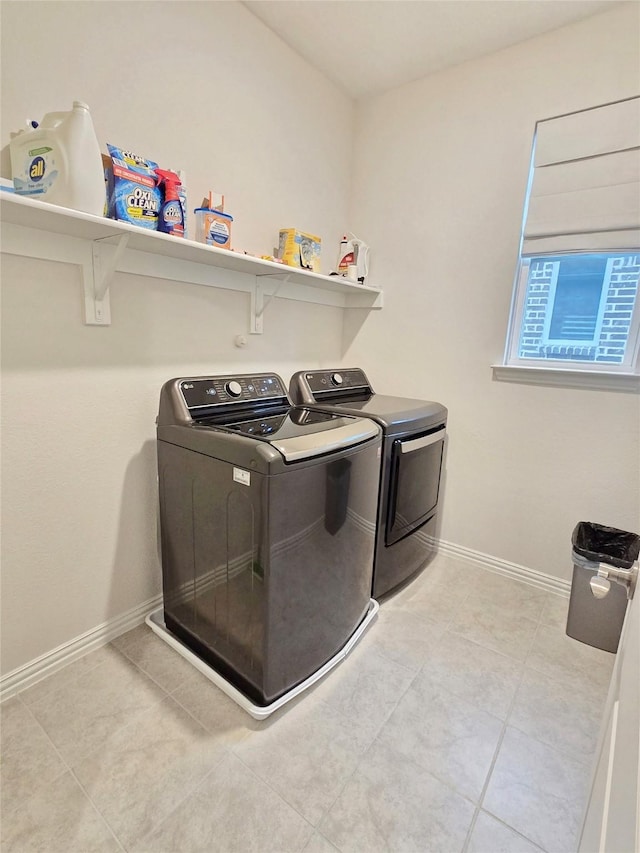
[
  {"x": 413, "y": 448},
  {"x": 267, "y": 518}
]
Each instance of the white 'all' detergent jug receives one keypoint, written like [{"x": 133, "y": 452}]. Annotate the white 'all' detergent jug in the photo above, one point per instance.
[{"x": 59, "y": 161}]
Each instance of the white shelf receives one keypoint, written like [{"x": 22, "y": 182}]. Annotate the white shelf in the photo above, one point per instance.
[{"x": 103, "y": 247}]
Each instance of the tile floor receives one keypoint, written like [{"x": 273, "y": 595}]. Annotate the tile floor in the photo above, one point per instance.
[{"x": 465, "y": 720}]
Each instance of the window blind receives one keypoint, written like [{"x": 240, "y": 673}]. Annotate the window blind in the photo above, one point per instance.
[{"x": 585, "y": 187}]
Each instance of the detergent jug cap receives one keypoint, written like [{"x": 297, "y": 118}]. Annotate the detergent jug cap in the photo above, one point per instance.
[{"x": 80, "y": 105}]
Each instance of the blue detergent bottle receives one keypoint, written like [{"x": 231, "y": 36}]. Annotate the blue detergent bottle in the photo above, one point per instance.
[{"x": 171, "y": 217}]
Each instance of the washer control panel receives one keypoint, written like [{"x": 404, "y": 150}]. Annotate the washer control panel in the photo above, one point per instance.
[
  {"x": 200, "y": 393},
  {"x": 322, "y": 381}
]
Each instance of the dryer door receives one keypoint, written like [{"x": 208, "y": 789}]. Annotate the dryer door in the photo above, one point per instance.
[{"x": 416, "y": 464}]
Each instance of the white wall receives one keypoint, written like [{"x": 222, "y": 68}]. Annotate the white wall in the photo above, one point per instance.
[
  {"x": 201, "y": 86},
  {"x": 440, "y": 175}
]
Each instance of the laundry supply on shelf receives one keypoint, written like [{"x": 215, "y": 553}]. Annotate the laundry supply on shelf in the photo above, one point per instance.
[
  {"x": 300, "y": 249},
  {"x": 353, "y": 259},
  {"x": 132, "y": 192},
  {"x": 58, "y": 161},
  {"x": 182, "y": 195},
  {"x": 213, "y": 225},
  {"x": 171, "y": 215},
  {"x": 346, "y": 256}
]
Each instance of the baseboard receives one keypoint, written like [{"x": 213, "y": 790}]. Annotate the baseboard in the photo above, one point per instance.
[
  {"x": 34, "y": 671},
  {"x": 45, "y": 665},
  {"x": 550, "y": 583}
]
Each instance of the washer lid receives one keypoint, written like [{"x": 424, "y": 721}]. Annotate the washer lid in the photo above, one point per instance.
[
  {"x": 298, "y": 433},
  {"x": 304, "y": 446}
]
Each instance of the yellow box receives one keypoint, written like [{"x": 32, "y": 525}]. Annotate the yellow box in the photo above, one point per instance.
[{"x": 299, "y": 249}]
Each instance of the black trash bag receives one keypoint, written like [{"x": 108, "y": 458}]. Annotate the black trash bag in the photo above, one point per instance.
[{"x": 605, "y": 544}]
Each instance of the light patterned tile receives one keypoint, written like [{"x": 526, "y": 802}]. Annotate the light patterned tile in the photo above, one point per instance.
[
  {"x": 560, "y": 656},
  {"x": 403, "y": 637},
  {"x": 57, "y": 819},
  {"x": 28, "y": 760},
  {"x": 149, "y": 766},
  {"x": 491, "y": 625},
  {"x": 231, "y": 811},
  {"x": 83, "y": 715},
  {"x": 322, "y": 749},
  {"x": 319, "y": 844},
  {"x": 445, "y": 572},
  {"x": 366, "y": 688},
  {"x": 558, "y": 714},
  {"x": 155, "y": 657},
  {"x": 435, "y": 601},
  {"x": 66, "y": 676},
  {"x": 538, "y": 791},
  {"x": 555, "y": 610},
  {"x": 485, "y": 678},
  {"x": 140, "y": 756},
  {"x": 491, "y": 836},
  {"x": 445, "y": 735},
  {"x": 379, "y": 809},
  {"x": 219, "y": 714},
  {"x": 511, "y": 596}
]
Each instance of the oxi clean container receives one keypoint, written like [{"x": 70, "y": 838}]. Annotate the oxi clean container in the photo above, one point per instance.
[{"x": 59, "y": 161}]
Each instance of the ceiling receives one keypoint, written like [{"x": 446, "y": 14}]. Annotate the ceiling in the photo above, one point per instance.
[{"x": 368, "y": 46}]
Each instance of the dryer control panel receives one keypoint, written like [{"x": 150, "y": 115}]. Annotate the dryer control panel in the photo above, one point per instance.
[
  {"x": 349, "y": 379},
  {"x": 203, "y": 393}
]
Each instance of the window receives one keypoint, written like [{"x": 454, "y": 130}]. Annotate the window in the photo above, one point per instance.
[
  {"x": 578, "y": 308},
  {"x": 576, "y": 302}
]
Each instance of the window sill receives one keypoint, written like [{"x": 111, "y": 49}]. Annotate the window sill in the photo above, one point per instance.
[{"x": 592, "y": 379}]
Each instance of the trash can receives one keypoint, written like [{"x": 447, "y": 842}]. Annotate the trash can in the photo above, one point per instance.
[{"x": 598, "y": 621}]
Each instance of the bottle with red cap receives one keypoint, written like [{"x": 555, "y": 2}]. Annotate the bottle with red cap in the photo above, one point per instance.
[{"x": 171, "y": 217}]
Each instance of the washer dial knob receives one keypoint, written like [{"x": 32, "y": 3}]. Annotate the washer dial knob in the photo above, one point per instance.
[
  {"x": 233, "y": 388},
  {"x": 336, "y": 378}
]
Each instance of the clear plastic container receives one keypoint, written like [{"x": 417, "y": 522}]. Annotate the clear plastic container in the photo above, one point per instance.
[{"x": 213, "y": 227}]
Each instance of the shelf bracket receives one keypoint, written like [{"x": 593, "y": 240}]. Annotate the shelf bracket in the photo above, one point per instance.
[
  {"x": 97, "y": 279},
  {"x": 259, "y": 303}
]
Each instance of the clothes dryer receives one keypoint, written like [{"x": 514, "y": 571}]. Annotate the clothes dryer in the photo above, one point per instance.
[{"x": 413, "y": 449}]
